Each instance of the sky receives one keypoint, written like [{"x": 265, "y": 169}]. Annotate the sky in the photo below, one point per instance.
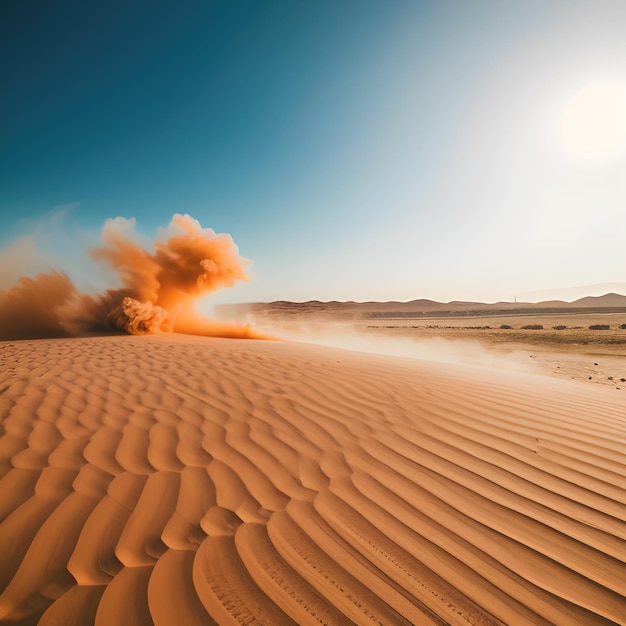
[{"x": 353, "y": 149}]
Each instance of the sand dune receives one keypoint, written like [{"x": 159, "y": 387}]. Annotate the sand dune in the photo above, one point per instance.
[{"x": 187, "y": 480}]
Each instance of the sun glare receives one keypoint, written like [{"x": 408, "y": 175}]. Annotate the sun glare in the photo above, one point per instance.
[{"x": 593, "y": 123}]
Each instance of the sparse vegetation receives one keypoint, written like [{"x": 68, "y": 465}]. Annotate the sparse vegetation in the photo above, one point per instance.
[{"x": 578, "y": 333}]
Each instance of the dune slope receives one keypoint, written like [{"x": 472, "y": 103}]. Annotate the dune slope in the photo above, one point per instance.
[{"x": 173, "y": 479}]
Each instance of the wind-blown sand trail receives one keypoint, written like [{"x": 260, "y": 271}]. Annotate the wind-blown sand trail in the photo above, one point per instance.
[{"x": 185, "y": 480}]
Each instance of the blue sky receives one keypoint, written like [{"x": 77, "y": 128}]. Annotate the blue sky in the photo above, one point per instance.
[{"x": 353, "y": 149}]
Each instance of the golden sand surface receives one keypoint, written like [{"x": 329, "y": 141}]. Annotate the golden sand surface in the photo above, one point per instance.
[{"x": 172, "y": 479}]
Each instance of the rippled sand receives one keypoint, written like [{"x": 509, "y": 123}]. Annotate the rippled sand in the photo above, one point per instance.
[{"x": 187, "y": 480}]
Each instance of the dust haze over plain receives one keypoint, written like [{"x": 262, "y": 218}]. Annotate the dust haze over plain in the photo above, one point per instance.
[{"x": 348, "y": 335}]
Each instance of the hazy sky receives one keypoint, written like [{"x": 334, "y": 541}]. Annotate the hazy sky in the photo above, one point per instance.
[{"x": 353, "y": 149}]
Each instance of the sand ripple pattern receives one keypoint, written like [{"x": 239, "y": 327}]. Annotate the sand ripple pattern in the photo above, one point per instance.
[{"x": 178, "y": 480}]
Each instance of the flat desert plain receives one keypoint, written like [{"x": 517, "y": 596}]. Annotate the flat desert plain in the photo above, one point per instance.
[
  {"x": 582, "y": 346},
  {"x": 170, "y": 479}
]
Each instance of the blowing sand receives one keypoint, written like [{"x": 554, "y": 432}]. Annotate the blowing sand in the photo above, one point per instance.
[{"x": 186, "y": 480}]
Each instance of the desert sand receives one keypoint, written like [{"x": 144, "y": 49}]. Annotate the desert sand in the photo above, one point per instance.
[{"x": 171, "y": 479}]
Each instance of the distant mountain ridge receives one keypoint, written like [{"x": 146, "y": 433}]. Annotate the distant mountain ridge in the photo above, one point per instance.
[{"x": 610, "y": 302}]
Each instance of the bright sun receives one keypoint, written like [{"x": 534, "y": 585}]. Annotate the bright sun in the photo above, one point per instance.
[{"x": 593, "y": 123}]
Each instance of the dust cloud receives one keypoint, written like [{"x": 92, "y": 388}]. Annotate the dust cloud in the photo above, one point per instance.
[{"x": 158, "y": 293}]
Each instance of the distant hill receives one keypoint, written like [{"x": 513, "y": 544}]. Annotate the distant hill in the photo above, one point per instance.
[
  {"x": 607, "y": 300},
  {"x": 610, "y": 302}
]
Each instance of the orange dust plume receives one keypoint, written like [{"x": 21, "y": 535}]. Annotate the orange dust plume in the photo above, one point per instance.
[{"x": 158, "y": 293}]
